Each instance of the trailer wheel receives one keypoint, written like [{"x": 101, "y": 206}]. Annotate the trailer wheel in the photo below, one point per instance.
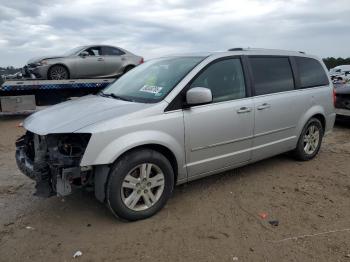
[{"x": 58, "y": 72}]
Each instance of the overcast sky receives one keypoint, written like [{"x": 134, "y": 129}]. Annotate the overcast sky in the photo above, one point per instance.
[{"x": 153, "y": 27}]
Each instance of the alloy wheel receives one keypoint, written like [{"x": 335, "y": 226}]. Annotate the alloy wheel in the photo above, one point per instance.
[
  {"x": 142, "y": 187},
  {"x": 311, "y": 139},
  {"x": 58, "y": 73}
]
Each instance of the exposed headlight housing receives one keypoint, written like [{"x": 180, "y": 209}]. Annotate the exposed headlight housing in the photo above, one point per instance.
[{"x": 42, "y": 62}]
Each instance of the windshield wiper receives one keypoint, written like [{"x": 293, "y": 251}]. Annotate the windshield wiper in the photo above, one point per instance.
[{"x": 114, "y": 96}]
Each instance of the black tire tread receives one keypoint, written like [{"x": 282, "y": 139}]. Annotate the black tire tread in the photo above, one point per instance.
[
  {"x": 57, "y": 65},
  {"x": 121, "y": 167},
  {"x": 299, "y": 152}
]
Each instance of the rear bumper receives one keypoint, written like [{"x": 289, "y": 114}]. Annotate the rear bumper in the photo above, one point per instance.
[{"x": 342, "y": 112}]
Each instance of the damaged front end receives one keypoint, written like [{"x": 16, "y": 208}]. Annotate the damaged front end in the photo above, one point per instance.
[{"x": 53, "y": 161}]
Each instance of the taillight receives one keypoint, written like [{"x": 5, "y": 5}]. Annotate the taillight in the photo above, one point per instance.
[
  {"x": 334, "y": 97},
  {"x": 141, "y": 61}
]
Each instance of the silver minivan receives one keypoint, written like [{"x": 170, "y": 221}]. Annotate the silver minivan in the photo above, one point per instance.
[{"x": 175, "y": 119}]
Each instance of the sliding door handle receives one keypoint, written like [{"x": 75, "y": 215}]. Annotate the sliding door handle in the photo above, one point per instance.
[
  {"x": 244, "y": 109},
  {"x": 264, "y": 106}
]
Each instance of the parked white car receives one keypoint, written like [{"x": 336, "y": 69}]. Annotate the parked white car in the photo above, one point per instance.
[{"x": 340, "y": 73}]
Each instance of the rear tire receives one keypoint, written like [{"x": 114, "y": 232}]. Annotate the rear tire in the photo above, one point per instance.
[
  {"x": 310, "y": 140},
  {"x": 139, "y": 185},
  {"x": 58, "y": 72},
  {"x": 128, "y": 68}
]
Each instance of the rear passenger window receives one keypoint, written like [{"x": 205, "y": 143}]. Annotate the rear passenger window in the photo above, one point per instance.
[
  {"x": 311, "y": 72},
  {"x": 271, "y": 74},
  {"x": 107, "y": 50},
  {"x": 224, "y": 78}
]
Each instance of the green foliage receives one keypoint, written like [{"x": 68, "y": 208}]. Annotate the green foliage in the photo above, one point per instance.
[
  {"x": 8, "y": 70},
  {"x": 332, "y": 62}
]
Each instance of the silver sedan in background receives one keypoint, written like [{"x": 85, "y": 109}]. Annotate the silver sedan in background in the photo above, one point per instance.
[{"x": 94, "y": 61}]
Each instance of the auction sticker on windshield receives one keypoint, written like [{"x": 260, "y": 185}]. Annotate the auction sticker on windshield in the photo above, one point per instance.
[{"x": 151, "y": 89}]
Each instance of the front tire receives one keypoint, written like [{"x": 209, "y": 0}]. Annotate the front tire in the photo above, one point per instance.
[
  {"x": 58, "y": 72},
  {"x": 310, "y": 140},
  {"x": 139, "y": 185}
]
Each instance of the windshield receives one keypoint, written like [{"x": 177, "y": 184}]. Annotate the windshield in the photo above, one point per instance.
[
  {"x": 150, "y": 82},
  {"x": 73, "y": 51}
]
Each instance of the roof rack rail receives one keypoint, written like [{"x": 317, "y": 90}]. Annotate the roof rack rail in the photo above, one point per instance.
[{"x": 236, "y": 49}]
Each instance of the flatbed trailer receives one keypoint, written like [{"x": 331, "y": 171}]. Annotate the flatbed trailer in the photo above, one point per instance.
[{"x": 26, "y": 96}]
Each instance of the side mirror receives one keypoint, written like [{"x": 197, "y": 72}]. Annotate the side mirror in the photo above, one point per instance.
[
  {"x": 84, "y": 54},
  {"x": 198, "y": 96}
]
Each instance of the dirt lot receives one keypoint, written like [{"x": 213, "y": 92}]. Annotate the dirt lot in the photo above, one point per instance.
[{"x": 213, "y": 219}]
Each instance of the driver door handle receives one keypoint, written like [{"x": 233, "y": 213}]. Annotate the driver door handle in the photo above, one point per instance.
[
  {"x": 100, "y": 59},
  {"x": 264, "y": 106},
  {"x": 244, "y": 109}
]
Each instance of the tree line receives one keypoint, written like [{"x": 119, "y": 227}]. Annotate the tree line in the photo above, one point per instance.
[
  {"x": 332, "y": 62},
  {"x": 8, "y": 70}
]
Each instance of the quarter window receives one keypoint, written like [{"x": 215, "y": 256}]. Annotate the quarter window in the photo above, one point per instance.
[
  {"x": 224, "y": 78},
  {"x": 271, "y": 75},
  {"x": 107, "y": 50},
  {"x": 311, "y": 72}
]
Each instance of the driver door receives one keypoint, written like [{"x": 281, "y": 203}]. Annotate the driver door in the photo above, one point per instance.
[
  {"x": 113, "y": 59},
  {"x": 92, "y": 65},
  {"x": 219, "y": 135}
]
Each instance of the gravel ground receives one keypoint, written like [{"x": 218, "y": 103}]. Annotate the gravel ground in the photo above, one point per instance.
[{"x": 213, "y": 219}]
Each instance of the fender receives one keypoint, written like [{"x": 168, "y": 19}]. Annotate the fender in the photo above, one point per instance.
[
  {"x": 124, "y": 143},
  {"x": 314, "y": 110}
]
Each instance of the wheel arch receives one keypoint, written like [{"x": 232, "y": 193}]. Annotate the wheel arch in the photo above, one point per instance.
[
  {"x": 102, "y": 172},
  {"x": 314, "y": 112},
  {"x": 165, "y": 151},
  {"x": 322, "y": 119}
]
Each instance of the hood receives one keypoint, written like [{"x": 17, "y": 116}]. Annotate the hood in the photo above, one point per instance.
[
  {"x": 38, "y": 59},
  {"x": 73, "y": 115}
]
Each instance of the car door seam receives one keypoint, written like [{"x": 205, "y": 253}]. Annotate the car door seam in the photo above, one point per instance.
[
  {"x": 241, "y": 139},
  {"x": 222, "y": 143},
  {"x": 274, "y": 131}
]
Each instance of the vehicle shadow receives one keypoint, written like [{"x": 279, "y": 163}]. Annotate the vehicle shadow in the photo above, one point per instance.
[
  {"x": 233, "y": 175},
  {"x": 342, "y": 122},
  {"x": 10, "y": 118}
]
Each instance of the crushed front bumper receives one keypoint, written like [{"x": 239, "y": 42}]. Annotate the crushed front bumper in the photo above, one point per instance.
[
  {"x": 39, "y": 71},
  {"x": 53, "y": 162}
]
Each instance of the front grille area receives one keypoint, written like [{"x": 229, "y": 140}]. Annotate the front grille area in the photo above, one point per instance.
[{"x": 51, "y": 160}]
